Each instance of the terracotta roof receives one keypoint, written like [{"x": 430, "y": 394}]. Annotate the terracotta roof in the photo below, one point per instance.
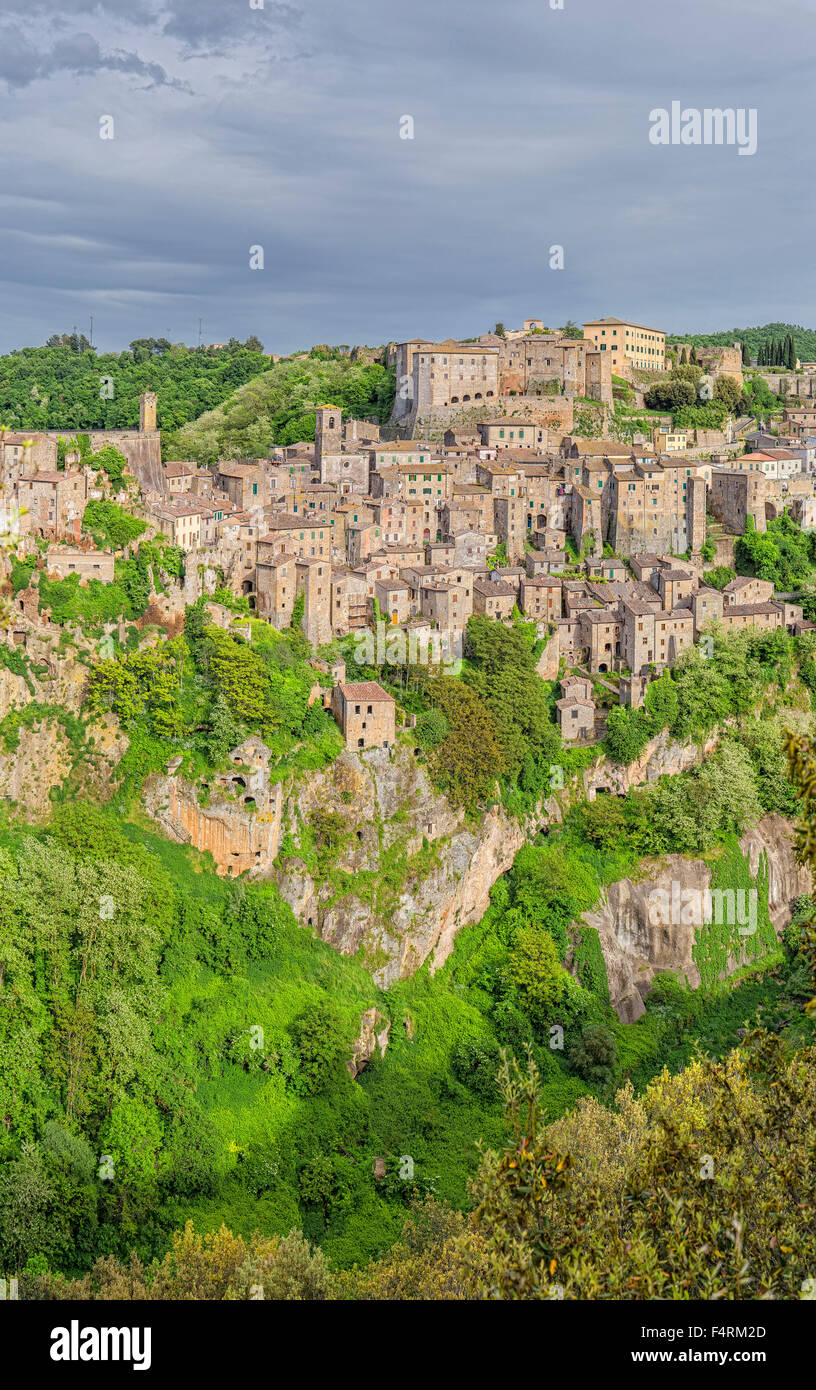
[{"x": 366, "y": 690}]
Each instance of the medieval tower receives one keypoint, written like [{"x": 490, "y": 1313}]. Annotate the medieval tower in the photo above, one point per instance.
[
  {"x": 328, "y": 431},
  {"x": 147, "y": 412}
]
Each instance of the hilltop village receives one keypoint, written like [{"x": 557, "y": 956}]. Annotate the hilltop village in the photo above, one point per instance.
[{"x": 481, "y": 495}]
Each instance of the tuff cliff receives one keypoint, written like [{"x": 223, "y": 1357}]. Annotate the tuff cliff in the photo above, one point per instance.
[
  {"x": 42, "y": 736},
  {"x": 367, "y": 853},
  {"x": 639, "y": 941}
]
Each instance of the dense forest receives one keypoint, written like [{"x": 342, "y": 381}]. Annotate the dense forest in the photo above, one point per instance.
[{"x": 62, "y": 387}]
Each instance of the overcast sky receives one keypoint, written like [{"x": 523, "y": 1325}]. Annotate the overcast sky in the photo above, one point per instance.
[{"x": 280, "y": 127}]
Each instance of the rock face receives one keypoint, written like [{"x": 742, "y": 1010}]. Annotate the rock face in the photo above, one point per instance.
[
  {"x": 407, "y": 872},
  {"x": 44, "y": 757},
  {"x": 428, "y": 871},
  {"x": 639, "y": 941},
  {"x": 374, "y": 1031},
  {"x": 237, "y": 838}
]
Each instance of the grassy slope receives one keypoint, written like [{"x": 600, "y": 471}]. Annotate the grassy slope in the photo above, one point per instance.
[{"x": 408, "y": 1103}]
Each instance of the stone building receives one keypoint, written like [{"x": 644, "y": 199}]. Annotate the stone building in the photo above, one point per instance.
[
  {"x": 366, "y": 715},
  {"x": 736, "y": 494},
  {"x": 628, "y": 344},
  {"x": 179, "y": 477},
  {"x": 243, "y": 483},
  {"x": 313, "y": 580},
  {"x": 436, "y": 376},
  {"x": 576, "y": 718},
  {"x": 345, "y": 468},
  {"x": 301, "y": 536},
  {"x": 494, "y": 597},
  {"x": 651, "y": 505},
  {"x": 52, "y": 503},
  {"x": 88, "y": 564},
  {"x": 275, "y": 586}
]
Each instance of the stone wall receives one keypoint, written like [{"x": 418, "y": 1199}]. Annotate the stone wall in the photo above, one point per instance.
[{"x": 553, "y": 412}]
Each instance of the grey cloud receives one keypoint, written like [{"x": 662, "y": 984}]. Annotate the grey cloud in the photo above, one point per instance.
[
  {"x": 22, "y": 63},
  {"x": 531, "y": 129},
  {"x": 199, "y": 24}
]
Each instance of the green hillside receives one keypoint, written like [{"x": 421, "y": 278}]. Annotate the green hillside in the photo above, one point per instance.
[
  {"x": 279, "y": 407},
  {"x": 804, "y": 338}
]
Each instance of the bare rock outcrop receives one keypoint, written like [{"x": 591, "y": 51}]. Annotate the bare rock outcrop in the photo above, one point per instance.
[
  {"x": 638, "y": 942},
  {"x": 373, "y": 1037},
  {"x": 402, "y": 871}
]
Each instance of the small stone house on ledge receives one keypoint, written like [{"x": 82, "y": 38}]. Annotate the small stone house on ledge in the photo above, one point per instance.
[
  {"x": 576, "y": 709},
  {"x": 366, "y": 714}
]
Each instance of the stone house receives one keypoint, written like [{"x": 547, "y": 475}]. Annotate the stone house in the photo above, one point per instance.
[
  {"x": 576, "y": 718},
  {"x": 366, "y": 715},
  {"x": 494, "y": 597}
]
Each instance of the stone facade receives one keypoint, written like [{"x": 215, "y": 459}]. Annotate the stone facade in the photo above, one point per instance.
[{"x": 366, "y": 715}]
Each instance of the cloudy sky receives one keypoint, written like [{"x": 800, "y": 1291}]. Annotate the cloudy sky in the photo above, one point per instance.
[{"x": 280, "y": 126}]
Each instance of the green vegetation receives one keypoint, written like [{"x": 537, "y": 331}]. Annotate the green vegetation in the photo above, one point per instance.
[
  {"x": 783, "y": 554},
  {"x": 707, "y": 686},
  {"x": 110, "y": 525},
  {"x": 279, "y": 407},
  {"x": 186, "y": 1029},
  {"x": 94, "y": 604},
  {"x": 57, "y": 387},
  {"x": 754, "y": 339},
  {"x": 200, "y": 694}
]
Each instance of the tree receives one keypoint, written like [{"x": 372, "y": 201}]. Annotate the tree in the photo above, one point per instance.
[
  {"x": 113, "y": 462},
  {"x": 535, "y": 969},
  {"x": 320, "y": 1042},
  {"x": 670, "y": 395},
  {"x": 661, "y": 702},
  {"x": 469, "y": 759},
  {"x": 111, "y": 524},
  {"x": 215, "y": 1266},
  {"x": 595, "y": 1055},
  {"x": 627, "y": 733},
  {"x": 223, "y": 733},
  {"x": 660, "y": 1221},
  {"x": 727, "y": 390},
  {"x": 431, "y": 728}
]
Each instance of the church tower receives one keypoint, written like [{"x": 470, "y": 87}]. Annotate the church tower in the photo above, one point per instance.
[
  {"x": 328, "y": 431},
  {"x": 147, "y": 412}
]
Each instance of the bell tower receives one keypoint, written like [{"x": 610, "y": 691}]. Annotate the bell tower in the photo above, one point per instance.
[
  {"x": 328, "y": 431},
  {"x": 147, "y": 412}
]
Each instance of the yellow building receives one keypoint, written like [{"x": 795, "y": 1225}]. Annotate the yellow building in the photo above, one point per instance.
[{"x": 628, "y": 342}]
